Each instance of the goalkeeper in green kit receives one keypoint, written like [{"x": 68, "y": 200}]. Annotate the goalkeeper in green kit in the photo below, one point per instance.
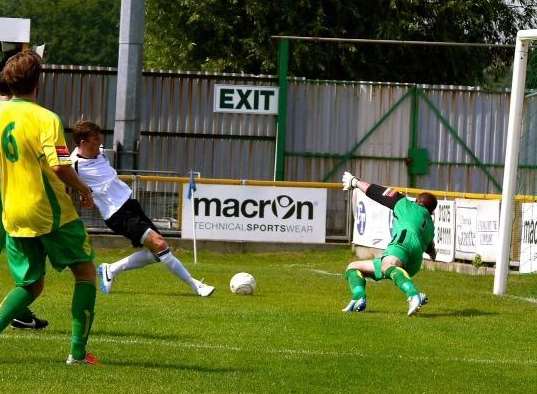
[{"x": 413, "y": 234}]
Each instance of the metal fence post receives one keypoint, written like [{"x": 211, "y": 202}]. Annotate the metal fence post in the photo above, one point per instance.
[
  {"x": 279, "y": 156},
  {"x": 414, "y": 118},
  {"x": 135, "y": 182}
]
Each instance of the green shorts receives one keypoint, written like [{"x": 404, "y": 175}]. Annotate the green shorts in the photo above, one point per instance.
[
  {"x": 67, "y": 246},
  {"x": 2, "y": 236},
  {"x": 408, "y": 249},
  {"x": 412, "y": 267},
  {"x": 2, "y": 230},
  {"x": 411, "y": 259}
]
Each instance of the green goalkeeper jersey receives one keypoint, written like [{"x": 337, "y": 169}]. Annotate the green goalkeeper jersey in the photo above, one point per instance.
[
  {"x": 414, "y": 218},
  {"x": 412, "y": 234}
]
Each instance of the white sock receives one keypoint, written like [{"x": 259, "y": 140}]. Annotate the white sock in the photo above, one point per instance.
[
  {"x": 177, "y": 268},
  {"x": 135, "y": 260}
]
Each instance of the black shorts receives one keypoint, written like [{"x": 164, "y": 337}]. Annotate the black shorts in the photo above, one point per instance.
[{"x": 131, "y": 222}]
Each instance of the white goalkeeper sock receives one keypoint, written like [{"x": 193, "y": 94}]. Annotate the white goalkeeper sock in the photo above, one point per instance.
[
  {"x": 177, "y": 268},
  {"x": 135, "y": 260}
]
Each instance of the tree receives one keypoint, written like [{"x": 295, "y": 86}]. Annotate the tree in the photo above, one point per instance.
[
  {"x": 234, "y": 36},
  {"x": 83, "y": 32}
]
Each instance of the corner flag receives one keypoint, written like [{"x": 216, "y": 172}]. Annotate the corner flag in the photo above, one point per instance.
[
  {"x": 191, "y": 190},
  {"x": 191, "y": 185}
]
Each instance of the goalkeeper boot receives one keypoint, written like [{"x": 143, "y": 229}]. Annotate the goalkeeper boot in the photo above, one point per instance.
[
  {"x": 105, "y": 278},
  {"x": 203, "y": 289},
  {"x": 416, "y": 302},
  {"x": 29, "y": 322},
  {"x": 355, "y": 306},
  {"x": 90, "y": 359}
]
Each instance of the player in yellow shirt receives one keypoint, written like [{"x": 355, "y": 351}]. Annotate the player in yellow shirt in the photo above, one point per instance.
[
  {"x": 26, "y": 318},
  {"x": 39, "y": 216}
]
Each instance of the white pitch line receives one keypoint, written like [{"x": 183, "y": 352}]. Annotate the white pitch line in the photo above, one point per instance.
[
  {"x": 299, "y": 352},
  {"x": 527, "y": 299},
  {"x": 325, "y": 272}
]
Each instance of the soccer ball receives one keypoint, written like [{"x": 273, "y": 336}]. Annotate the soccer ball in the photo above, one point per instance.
[{"x": 242, "y": 283}]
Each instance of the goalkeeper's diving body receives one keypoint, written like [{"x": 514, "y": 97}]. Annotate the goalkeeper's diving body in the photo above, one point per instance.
[
  {"x": 413, "y": 234},
  {"x": 122, "y": 213}
]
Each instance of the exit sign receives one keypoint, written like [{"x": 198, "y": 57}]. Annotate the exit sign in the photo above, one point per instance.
[{"x": 246, "y": 99}]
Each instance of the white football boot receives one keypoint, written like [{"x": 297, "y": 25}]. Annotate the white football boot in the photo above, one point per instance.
[
  {"x": 416, "y": 302},
  {"x": 355, "y": 306},
  {"x": 203, "y": 289},
  {"x": 105, "y": 278}
]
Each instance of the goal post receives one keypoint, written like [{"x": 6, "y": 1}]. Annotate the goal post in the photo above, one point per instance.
[{"x": 511, "y": 157}]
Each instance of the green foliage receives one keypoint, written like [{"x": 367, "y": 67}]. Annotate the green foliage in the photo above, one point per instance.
[
  {"x": 477, "y": 261},
  {"x": 81, "y": 32},
  {"x": 531, "y": 72},
  {"x": 154, "y": 336},
  {"x": 234, "y": 36}
]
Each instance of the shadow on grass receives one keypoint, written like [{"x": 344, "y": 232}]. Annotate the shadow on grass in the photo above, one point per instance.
[
  {"x": 41, "y": 360},
  {"x": 458, "y": 313},
  {"x": 173, "y": 365},
  {"x": 124, "y": 336},
  {"x": 175, "y": 294},
  {"x": 155, "y": 293},
  {"x": 31, "y": 359}
]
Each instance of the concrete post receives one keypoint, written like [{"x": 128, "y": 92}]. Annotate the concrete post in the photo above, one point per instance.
[{"x": 129, "y": 84}]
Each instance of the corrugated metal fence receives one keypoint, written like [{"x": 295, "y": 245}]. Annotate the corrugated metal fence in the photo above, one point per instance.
[
  {"x": 325, "y": 119},
  {"x": 180, "y": 131}
]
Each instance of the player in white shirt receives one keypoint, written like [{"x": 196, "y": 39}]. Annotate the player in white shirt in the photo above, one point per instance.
[{"x": 122, "y": 213}]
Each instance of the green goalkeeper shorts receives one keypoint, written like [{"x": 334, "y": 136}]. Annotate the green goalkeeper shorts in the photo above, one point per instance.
[
  {"x": 69, "y": 245},
  {"x": 412, "y": 267},
  {"x": 407, "y": 249}
]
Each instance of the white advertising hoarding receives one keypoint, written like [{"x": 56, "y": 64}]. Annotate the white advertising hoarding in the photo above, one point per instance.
[
  {"x": 444, "y": 232},
  {"x": 477, "y": 229},
  {"x": 528, "y": 239},
  {"x": 256, "y": 213},
  {"x": 261, "y": 100},
  {"x": 15, "y": 30},
  {"x": 372, "y": 221}
]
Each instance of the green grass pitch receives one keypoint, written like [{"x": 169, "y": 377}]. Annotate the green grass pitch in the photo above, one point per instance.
[{"x": 153, "y": 336}]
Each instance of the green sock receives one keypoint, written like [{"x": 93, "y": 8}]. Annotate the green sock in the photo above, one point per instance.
[
  {"x": 402, "y": 280},
  {"x": 14, "y": 302},
  {"x": 356, "y": 282},
  {"x": 25, "y": 314},
  {"x": 82, "y": 309}
]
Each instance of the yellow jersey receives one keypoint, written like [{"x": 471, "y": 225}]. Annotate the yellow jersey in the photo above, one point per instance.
[{"x": 34, "y": 199}]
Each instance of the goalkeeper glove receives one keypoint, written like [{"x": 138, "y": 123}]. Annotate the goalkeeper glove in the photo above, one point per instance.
[{"x": 349, "y": 181}]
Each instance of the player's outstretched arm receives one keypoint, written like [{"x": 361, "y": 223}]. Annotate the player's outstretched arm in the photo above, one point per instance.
[
  {"x": 383, "y": 195},
  {"x": 69, "y": 176},
  {"x": 349, "y": 182}
]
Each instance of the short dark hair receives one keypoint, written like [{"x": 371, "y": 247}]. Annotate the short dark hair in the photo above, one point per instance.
[
  {"x": 83, "y": 129},
  {"x": 21, "y": 72},
  {"x": 4, "y": 89},
  {"x": 427, "y": 200}
]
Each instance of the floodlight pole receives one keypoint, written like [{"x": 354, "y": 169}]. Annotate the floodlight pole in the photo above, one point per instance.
[
  {"x": 129, "y": 83},
  {"x": 511, "y": 158}
]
